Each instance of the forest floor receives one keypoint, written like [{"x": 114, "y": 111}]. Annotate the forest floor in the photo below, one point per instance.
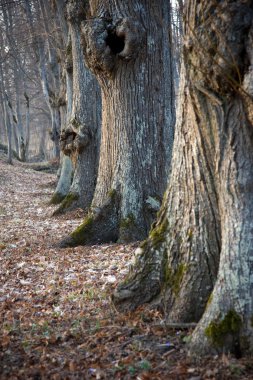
[{"x": 56, "y": 315}]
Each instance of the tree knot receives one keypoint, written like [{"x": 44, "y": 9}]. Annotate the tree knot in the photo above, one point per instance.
[{"x": 107, "y": 42}]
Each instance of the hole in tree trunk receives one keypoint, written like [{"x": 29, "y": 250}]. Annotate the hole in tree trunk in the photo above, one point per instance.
[{"x": 115, "y": 42}]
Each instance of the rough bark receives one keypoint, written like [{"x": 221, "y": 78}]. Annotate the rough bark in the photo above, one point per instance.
[
  {"x": 66, "y": 175},
  {"x": 179, "y": 261},
  {"x": 80, "y": 139},
  {"x": 203, "y": 236},
  {"x": 127, "y": 47}
]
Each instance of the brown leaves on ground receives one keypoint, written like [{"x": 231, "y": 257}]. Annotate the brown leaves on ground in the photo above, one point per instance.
[{"x": 57, "y": 318}]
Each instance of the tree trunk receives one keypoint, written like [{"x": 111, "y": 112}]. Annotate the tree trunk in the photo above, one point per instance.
[
  {"x": 8, "y": 127},
  {"x": 66, "y": 175},
  {"x": 21, "y": 151},
  {"x": 50, "y": 78},
  {"x": 127, "y": 47},
  {"x": 27, "y": 124},
  {"x": 203, "y": 236},
  {"x": 56, "y": 129},
  {"x": 81, "y": 138},
  {"x": 179, "y": 261}
]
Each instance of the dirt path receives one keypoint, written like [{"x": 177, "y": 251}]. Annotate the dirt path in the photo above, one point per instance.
[
  {"x": 56, "y": 317},
  {"x": 24, "y": 213}
]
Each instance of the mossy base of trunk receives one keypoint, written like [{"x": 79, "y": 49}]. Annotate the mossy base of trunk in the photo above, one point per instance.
[
  {"x": 99, "y": 226},
  {"x": 67, "y": 203},
  {"x": 228, "y": 334},
  {"x": 103, "y": 225},
  {"x": 144, "y": 281},
  {"x": 83, "y": 234},
  {"x": 56, "y": 198},
  {"x": 129, "y": 230}
]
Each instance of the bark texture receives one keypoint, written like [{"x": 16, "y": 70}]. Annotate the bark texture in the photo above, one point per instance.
[
  {"x": 127, "y": 47},
  {"x": 80, "y": 138},
  {"x": 203, "y": 236},
  {"x": 66, "y": 175}
]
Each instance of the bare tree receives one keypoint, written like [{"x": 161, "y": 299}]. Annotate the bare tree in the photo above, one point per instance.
[
  {"x": 127, "y": 47},
  {"x": 198, "y": 257}
]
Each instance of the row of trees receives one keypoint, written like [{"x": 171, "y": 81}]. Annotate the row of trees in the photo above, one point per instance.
[
  {"x": 197, "y": 259},
  {"x": 117, "y": 158},
  {"x": 120, "y": 157},
  {"x": 24, "y": 118}
]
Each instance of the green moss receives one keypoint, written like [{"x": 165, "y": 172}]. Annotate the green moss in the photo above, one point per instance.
[
  {"x": 56, "y": 198},
  {"x": 69, "y": 49},
  {"x": 209, "y": 300},
  {"x": 144, "y": 244},
  {"x": 190, "y": 234},
  {"x": 68, "y": 200},
  {"x": 112, "y": 193},
  {"x": 173, "y": 278},
  {"x": 128, "y": 230},
  {"x": 218, "y": 330},
  {"x": 83, "y": 232},
  {"x": 158, "y": 233},
  {"x": 75, "y": 123},
  {"x": 128, "y": 222}
]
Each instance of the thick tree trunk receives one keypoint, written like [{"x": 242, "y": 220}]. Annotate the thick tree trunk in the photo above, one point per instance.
[
  {"x": 127, "y": 47},
  {"x": 179, "y": 261},
  {"x": 205, "y": 224},
  {"x": 66, "y": 175},
  {"x": 81, "y": 138}
]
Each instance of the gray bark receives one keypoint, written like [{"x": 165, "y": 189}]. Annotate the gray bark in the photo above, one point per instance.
[
  {"x": 21, "y": 138},
  {"x": 50, "y": 88},
  {"x": 27, "y": 125},
  {"x": 17, "y": 76},
  {"x": 81, "y": 137},
  {"x": 66, "y": 174},
  {"x": 127, "y": 47},
  {"x": 8, "y": 127},
  {"x": 203, "y": 236}
]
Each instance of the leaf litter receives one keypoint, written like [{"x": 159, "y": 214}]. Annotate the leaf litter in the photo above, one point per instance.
[{"x": 57, "y": 318}]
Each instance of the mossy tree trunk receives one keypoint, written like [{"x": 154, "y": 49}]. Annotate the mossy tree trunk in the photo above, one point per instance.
[
  {"x": 81, "y": 137},
  {"x": 203, "y": 236},
  {"x": 127, "y": 47}
]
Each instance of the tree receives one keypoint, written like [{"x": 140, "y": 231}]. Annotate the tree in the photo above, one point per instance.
[
  {"x": 50, "y": 73},
  {"x": 20, "y": 80},
  {"x": 66, "y": 173},
  {"x": 80, "y": 139},
  {"x": 198, "y": 257},
  {"x": 127, "y": 47}
]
